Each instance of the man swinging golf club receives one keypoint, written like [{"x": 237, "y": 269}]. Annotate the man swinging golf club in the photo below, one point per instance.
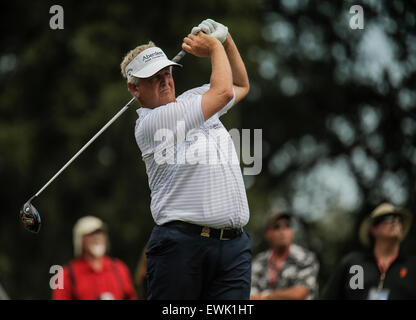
[{"x": 198, "y": 249}]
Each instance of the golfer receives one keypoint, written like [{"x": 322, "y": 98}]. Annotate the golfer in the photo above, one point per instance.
[{"x": 198, "y": 249}]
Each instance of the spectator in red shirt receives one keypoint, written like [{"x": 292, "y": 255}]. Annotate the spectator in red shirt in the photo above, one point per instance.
[{"x": 93, "y": 275}]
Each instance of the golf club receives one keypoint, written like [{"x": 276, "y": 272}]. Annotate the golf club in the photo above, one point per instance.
[{"x": 29, "y": 215}]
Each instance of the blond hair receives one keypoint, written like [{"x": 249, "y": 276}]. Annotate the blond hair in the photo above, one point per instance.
[{"x": 130, "y": 56}]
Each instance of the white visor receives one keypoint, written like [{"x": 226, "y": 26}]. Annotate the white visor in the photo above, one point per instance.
[{"x": 148, "y": 62}]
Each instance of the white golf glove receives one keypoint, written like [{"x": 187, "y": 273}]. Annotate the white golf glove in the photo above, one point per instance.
[
  {"x": 213, "y": 28},
  {"x": 195, "y": 30}
]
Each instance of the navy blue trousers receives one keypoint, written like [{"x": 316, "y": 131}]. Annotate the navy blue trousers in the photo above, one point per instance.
[{"x": 191, "y": 267}]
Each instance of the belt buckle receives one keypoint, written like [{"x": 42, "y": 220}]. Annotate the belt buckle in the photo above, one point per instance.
[
  {"x": 221, "y": 235},
  {"x": 205, "y": 232}
]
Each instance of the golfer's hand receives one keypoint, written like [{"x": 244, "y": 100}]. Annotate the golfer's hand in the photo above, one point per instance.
[
  {"x": 213, "y": 28},
  {"x": 195, "y": 30},
  {"x": 200, "y": 45}
]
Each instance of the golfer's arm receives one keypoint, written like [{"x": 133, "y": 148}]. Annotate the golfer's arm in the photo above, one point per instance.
[
  {"x": 221, "y": 83},
  {"x": 238, "y": 69}
]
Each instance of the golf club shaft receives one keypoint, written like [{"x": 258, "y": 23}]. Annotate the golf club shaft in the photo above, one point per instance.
[
  {"x": 178, "y": 57},
  {"x": 86, "y": 145}
]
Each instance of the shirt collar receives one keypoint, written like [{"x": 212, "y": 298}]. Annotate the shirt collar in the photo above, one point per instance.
[
  {"x": 86, "y": 266},
  {"x": 143, "y": 111}
]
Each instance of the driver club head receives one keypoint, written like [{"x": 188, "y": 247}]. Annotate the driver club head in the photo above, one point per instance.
[{"x": 30, "y": 217}]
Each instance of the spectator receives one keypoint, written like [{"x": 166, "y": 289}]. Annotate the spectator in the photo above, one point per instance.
[
  {"x": 384, "y": 271},
  {"x": 286, "y": 271},
  {"x": 93, "y": 275}
]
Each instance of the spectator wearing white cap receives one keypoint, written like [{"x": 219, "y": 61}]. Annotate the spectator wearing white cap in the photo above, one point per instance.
[{"x": 93, "y": 275}]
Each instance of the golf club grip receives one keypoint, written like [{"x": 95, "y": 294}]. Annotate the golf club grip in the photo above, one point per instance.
[{"x": 179, "y": 56}]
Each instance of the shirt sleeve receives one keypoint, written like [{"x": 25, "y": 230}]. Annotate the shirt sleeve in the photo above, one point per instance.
[
  {"x": 130, "y": 291},
  {"x": 202, "y": 89},
  {"x": 184, "y": 114},
  {"x": 66, "y": 292},
  {"x": 196, "y": 91},
  {"x": 308, "y": 275},
  {"x": 258, "y": 275}
]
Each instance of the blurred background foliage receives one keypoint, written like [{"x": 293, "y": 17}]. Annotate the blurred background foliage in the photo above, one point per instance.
[{"x": 337, "y": 108}]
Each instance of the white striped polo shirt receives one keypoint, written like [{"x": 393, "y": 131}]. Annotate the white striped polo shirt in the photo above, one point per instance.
[{"x": 192, "y": 166}]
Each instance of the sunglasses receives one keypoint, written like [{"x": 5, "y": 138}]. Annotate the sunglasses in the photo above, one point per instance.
[
  {"x": 388, "y": 218},
  {"x": 278, "y": 226}
]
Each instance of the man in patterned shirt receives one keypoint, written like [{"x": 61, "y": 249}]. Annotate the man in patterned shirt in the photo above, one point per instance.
[{"x": 286, "y": 271}]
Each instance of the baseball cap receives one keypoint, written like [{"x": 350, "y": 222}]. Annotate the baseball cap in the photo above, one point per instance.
[
  {"x": 84, "y": 226},
  {"x": 148, "y": 62},
  {"x": 275, "y": 215}
]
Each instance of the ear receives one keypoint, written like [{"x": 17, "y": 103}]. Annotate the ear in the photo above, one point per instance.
[{"x": 134, "y": 89}]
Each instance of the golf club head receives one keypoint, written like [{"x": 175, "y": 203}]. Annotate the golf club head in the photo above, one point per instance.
[{"x": 30, "y": 217}]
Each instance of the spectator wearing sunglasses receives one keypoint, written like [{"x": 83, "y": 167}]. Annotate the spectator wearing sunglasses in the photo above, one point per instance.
[
  {"x": 286, "y": 271},
  {"x": 383, "y": 271}
]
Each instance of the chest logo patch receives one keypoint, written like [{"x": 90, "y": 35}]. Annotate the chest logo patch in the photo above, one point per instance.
[{"x": 403, "y": 272}]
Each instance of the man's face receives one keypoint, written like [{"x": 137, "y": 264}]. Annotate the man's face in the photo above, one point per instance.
[
  {"x": 280, "y": 234},
  {"x": 388, "y": 227},
  {"x": 156, "y": 90},
  {"x": 95, "y": 243}
]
